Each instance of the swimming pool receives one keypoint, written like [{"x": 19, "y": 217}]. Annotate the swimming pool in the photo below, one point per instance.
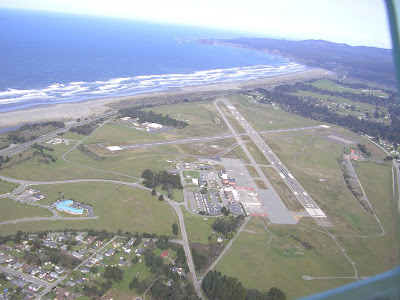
[{"x": 66, "y": 207}]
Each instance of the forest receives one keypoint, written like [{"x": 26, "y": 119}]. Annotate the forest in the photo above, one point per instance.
[{"x": 218, "y": 286}]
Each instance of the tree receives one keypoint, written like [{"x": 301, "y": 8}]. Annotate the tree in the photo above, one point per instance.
[
  {"x": 153, "y": 192},
  {"x": 134, "y": 283},
  {"x": 113, "y": 273},
  {"x": 204, "y": 190},
  {"x": 388, "y": 158},
  {"x": 94, "y": 269},
  {"x": 161, "y": 198},
  {"x": 225, "y": 211},
  {"x": 175, "y": 229},
  {"x": 276, "y": 294},
  {"x": 18, "y": 290},
  {"x": 141, "y": 287}
]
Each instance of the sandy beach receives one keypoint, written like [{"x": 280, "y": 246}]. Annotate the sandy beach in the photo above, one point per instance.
[{"x": 89, "y": 108}]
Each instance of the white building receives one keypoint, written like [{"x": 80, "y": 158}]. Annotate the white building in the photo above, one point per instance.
[{"x": 154, "y": 126}]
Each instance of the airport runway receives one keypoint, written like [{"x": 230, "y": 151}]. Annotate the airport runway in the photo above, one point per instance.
[
  {"x": 274, "y": 207},
  {"x": 305, "y": 199},
  {"x": 206, "y": 139}
]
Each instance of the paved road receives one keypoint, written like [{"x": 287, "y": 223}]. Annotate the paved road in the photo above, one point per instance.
[
  {"x": 23, "y": 275},
  {"x": 276, "y": 209},
  {"x": 48, "y": 219},
  {"x": 309, "y": 204},
  {"x": 16, "y": 149}
]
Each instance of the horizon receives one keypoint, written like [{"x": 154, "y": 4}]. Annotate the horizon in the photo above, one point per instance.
[{"x": 322, "y": 22}]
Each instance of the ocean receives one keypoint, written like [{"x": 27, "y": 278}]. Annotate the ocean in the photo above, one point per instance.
[{"x": 49, "y": 58}]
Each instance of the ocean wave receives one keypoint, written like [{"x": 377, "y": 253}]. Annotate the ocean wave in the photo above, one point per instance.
[{"x": 80, "y": 90}]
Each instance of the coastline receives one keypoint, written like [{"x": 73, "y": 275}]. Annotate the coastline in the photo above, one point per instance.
[{"x": 93, "y": 107}]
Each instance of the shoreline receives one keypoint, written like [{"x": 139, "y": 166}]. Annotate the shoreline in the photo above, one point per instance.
[{"x": 94, "y": 107}]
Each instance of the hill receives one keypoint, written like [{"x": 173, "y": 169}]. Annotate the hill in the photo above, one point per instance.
[{"x": 362, "y": 63}]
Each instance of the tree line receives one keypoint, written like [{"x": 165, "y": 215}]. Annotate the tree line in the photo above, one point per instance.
[
  {"x": 309, "y": 107},
  {"x": 220, "y": 287},
  {"x": 84, "y": 129},
  {"x": 38, "y": 125},
  {"x": 363, "y": 149},
  {"x": 151, "y": 116}
]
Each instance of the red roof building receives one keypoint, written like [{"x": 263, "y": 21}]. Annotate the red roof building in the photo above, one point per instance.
[{"x": 164, "y": 254}]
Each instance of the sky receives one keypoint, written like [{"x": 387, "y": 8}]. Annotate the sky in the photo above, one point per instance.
[{"x": 354, "y": 22}]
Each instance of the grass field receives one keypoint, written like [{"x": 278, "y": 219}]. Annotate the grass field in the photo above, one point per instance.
[
  {"x": 132, "y": 162},
  {"x": 255, "y": 152},
  {"x": 334, "y": 87},
  {"x": 177, "y": 194},
  {"x": 360, "y": 107},
  {"x": 264, "y": 117},
  {"x": 261, "y": 184},
  {"x": 238, "y": 153},
  {"x": 116, "y": 134},
  {"x": 253, "y": 172},
  {"x": 376, "y": 254},
  {"x": 191, "y": 174},
  {"x": 261, "y": 261},
  {"x": 118, "y": 207},
  {"x": 32, "y": 169},
  {"x": 201, "y": 116},
  {"x": 198, "y": 228},
  {"x": 6, "y": 187},
  {"x": 232, "y": 120},
  {"x": 317, "y": 171},
  {"x": 284, "y": 192},
  {"x": 12, "y": 210},
  {"x": 206, "y": 149}
]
